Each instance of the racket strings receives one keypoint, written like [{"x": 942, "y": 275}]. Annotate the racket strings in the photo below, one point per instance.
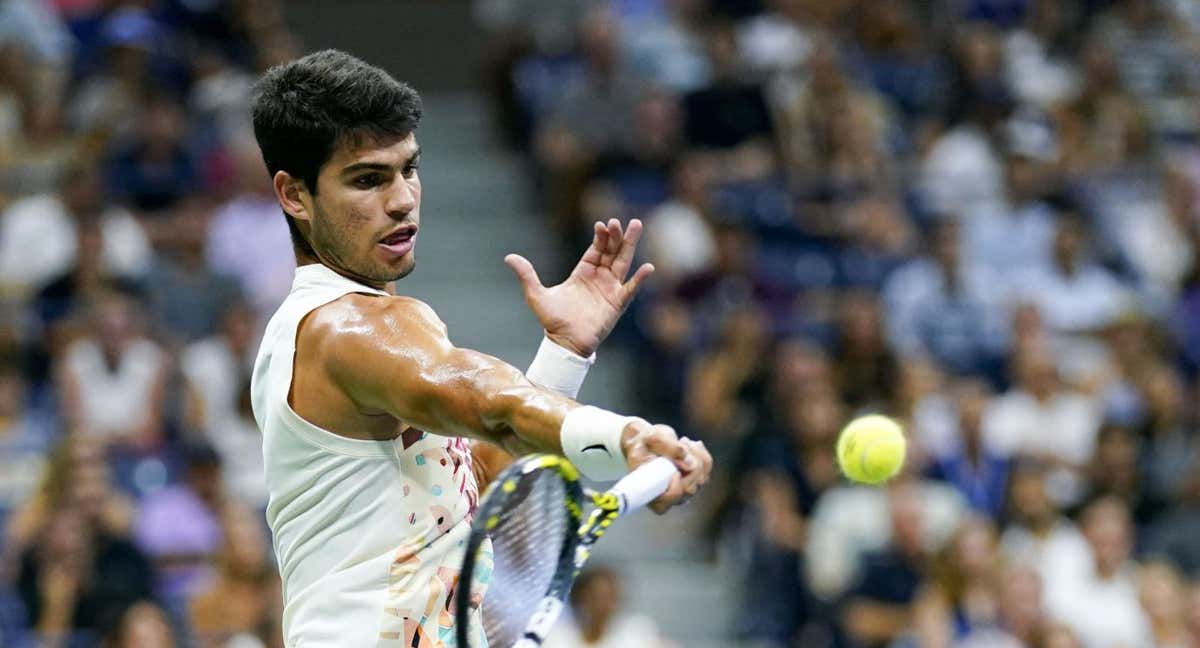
[{"x": 526, "y": 543}]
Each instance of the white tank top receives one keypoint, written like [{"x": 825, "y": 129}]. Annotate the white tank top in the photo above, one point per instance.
[{"x": 368, "y": 534}]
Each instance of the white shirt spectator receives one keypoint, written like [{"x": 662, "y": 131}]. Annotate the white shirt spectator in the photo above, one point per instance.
[
  {"x": 849, "y": 521},
  {"x": 249, "y": 239},
  {"x": 1063, "y": 427},
  {"x": 113, "y": 401},
  {"x": 1104, "y": 613},
  {"x": 1003, "y": 238},
  {"x": 1062, "y": 553},
  {"x": 214, "y": 375},
  {"x": 239, "y": 442},
  {"x": 1084, "y": 301},
  {"x": 39, "y": 242}
]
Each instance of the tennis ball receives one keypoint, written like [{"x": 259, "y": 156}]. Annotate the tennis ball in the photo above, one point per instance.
[{"x": 870, "y": 449}]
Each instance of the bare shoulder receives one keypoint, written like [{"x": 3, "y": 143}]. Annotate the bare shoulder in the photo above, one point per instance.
[{"x": 343, "y": 329}]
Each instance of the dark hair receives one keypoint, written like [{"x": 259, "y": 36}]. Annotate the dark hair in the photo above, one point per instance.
[{"x": 305, "y": 108}]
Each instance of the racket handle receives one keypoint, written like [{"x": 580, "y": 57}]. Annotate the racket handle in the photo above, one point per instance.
[{"x": 639, "y": 487}]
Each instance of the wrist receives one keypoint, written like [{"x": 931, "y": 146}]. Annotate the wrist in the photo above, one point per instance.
[
  {"x": 583, "y": 351},
  {"x": 594, "y": 440},
  {"x": 558, "y": 368}
]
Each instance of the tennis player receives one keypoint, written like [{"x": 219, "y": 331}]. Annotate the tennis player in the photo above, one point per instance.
[{"x": 377, "y": 431}]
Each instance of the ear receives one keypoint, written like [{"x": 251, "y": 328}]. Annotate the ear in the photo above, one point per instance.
[{"x": 293, "y": 195}]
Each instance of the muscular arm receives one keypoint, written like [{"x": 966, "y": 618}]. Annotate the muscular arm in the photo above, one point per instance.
[{"x": 393, "y": 356}]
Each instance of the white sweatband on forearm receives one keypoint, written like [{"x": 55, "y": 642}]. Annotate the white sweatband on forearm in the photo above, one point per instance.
[
  {"x": 591, "y": 440},
  {"x": 559, "y": 369}
]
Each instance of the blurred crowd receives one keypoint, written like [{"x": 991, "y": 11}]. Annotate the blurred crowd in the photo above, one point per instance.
[
  {"x": 981, "y": 217},
  {"x": 141, "y": 248}
]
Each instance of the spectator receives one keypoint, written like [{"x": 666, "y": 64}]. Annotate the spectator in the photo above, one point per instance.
[
  {"x": 866, "y": 369},
  {"x": 244, "y": 602},
  {"x": 978, "y": 472},
  {"x": 112, "y": 382},
  {"x": 1073, "y": 294},
  {"x": 849, "y": 522},
  {"x": 964, "y": 596},
  {"x": 179, "y": 526},
  {"x": 1018, "y": 230},
  {"x": 187, "y": 297},
  {"x": 595, "y": 621},
  {"x": 26, "y": 438},
  {"x": 1019, "y": 423},
  {"x": 1038, "y": 536},
  {"x": 729, "y": 112},
  {"x": 1100, "y": 602},
  {"x": 153, "y": 170},
  {"x": 76, "y": 577},
  {"x": 946, "y": 305},
  {"x": 143, "y": 624},
  {"x": 879, "y": 608},
  {"x": 248, "y": 237},
  {"x": 48, "y": 224},
  {"x": 77, "y": 477}
]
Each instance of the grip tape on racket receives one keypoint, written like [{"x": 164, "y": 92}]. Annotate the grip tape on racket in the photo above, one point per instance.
[{"x": 639, "y": 487}]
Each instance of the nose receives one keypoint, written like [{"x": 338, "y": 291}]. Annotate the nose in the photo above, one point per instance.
[{"x": 401, "y": 200}]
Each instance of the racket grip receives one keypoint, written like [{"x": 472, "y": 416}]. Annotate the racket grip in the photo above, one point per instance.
[{"x": 639, "y": 487}]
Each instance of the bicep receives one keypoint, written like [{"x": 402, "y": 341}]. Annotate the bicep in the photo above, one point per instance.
[{"x": 401, "y": 362}]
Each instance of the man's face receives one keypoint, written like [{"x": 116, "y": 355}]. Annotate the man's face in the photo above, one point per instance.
[{"x": 366, "y": 210}]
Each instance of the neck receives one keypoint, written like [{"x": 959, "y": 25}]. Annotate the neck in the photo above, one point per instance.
[{"x": 304, "y": 258}]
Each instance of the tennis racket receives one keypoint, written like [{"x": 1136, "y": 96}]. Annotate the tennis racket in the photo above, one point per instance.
[{"x": 528, "y": 542}]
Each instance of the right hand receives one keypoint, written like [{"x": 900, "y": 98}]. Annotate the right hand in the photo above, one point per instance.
[{"x": 642, "y": 442}]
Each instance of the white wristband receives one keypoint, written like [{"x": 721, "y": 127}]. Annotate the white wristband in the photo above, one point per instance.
[
  {"x": 591, "y": 439},
  {"x": 559, "y": 369}
]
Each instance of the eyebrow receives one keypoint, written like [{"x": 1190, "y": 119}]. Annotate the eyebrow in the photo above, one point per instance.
[{"x": 378, "y": 166}]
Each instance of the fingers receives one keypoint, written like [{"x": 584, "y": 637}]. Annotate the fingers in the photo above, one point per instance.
[
  {"x": 695, "y": 479},
  {"x": 528, "y": 277},
  {"x": 624, "y": 258},
  {"x": 630, "y": 289}
]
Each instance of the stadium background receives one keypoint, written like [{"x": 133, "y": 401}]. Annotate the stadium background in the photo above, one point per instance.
[{"x": 978, "y": 216}]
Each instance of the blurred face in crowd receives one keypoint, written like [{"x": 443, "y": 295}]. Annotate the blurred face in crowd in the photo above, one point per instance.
[
  {"x": 861, "y": 327},
  {"x": 1030, "y": 502},
  {"x": 1037, "y": 374},
  {"x": 975, "y": 548},
  {"x": 1106, "y": 526},
  {"x": 244, "y": 544},
  {"x": 972, "y": 397},
  {"x": 1068, "y": 243},
  {"x": 1116, "y": 459},
  {"x": 364, "y": 216},
  {"x": 115, "y": 322},
  {"x": 1164, "y": 395},
  {"x": 12, "y": 395},
  {"x": 145, "y": 626},
  {"x": 599, "y": 600},
  {"x": 83, "y": 191}
]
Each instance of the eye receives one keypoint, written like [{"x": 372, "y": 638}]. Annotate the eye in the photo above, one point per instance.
[
  {"x": 411, "y": 170},
  {"x": 368, "y": 181}
]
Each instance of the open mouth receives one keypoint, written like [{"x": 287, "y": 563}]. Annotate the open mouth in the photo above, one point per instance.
[{"x": 401, "y": 240}]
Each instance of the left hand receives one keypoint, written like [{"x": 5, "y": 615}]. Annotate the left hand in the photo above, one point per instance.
[{"x": 581, "y": 311}]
